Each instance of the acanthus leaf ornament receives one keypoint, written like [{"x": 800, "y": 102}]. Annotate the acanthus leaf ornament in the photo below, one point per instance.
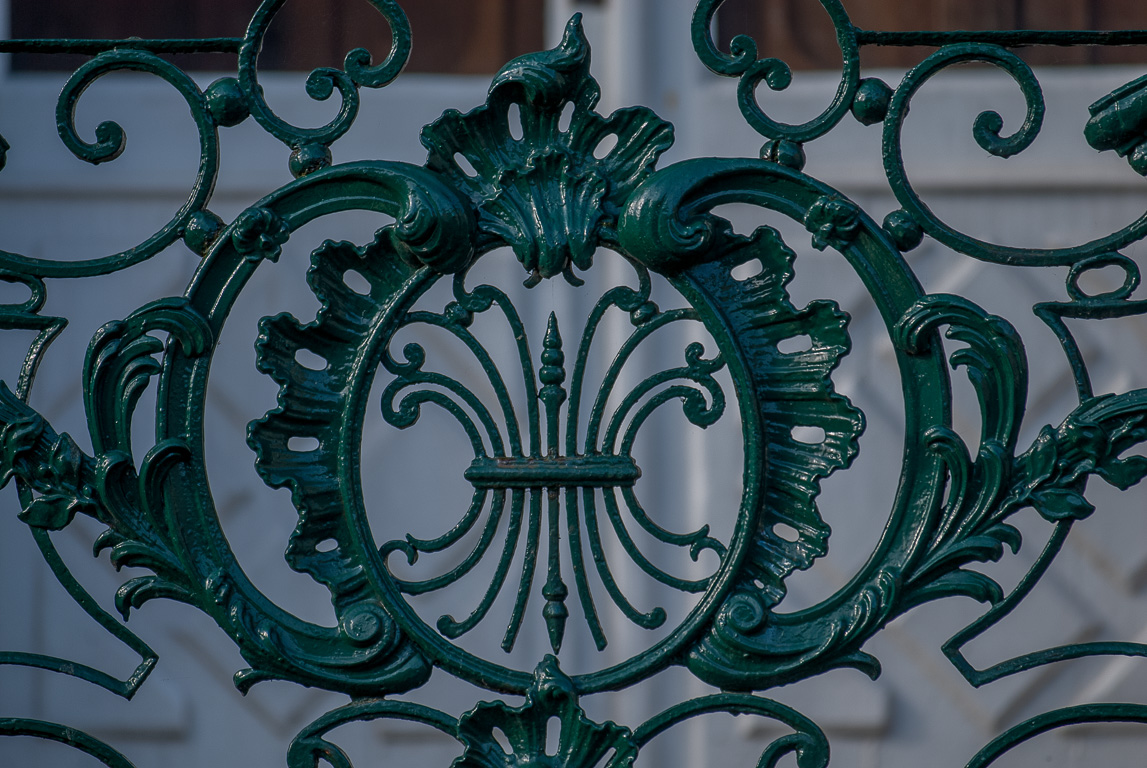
[
  {"x": 1119, "y": 122},
  {"x": 27, "y": 441}
]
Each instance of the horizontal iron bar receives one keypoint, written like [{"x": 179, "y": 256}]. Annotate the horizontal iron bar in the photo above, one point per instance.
[
  {"x": 552, "y": 472},
  {"x": 94, "y": 46},
  {"x": 1010, "y": 38}
]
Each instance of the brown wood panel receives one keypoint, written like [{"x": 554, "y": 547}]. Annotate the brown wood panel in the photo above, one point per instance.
[
  {"x": 880, "y": 14},
  {"x": 126, "y": 18},
  {"x": 450, "y": 36},
  {"x": 1121, "y": 14},
  {"x": 1057, "y": 14},
  {"x": 793, "y": 30},
  {"x": 478, "y": 36},
  {"x": 474, "y": 37},
  {"x": 318, "y": 33},
  {"x": 975, "y": 14}
]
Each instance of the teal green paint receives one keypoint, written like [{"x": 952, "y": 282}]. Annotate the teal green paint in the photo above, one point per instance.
[{"x": 559, "y": 472}]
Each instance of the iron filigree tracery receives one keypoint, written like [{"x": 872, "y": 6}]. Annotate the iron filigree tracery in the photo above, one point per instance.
[{"x": 553, "y": 479}]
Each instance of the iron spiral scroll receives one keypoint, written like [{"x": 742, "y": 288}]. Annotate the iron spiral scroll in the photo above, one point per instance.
[{"x": 554, "y": 475}]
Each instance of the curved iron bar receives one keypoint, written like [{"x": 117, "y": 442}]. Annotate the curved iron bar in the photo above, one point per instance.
[
  {"x": 651, "y": 619},
  {"x": 479, "y": 300},
  {"x": 525, "y": 582},
  {"x": 986, "y": 131},
  {"x": 808, "y": 743},
  {"x": 411, "y": 546},
  {"x": 408, "y": 409},
  {"x": 1077, "y": 715},
  {"x": 451, "y": 628},
  {"x": 613, "y": 511},
  {"x": 309, "y": 747},
  {"x": 577, "y": 563},
  {"x": 26, "y": 316},
  {"x": 482, "y": 355},
  {"x": 625, "y": 299},
  {"x": 613, "y": 372},
  {"x": 698, "y": 541},
  {"x": 126, "y": 687},
  {"x": 1110, "y": 304},
  {"x": 78, "y": 740},
  {"x": 460, "y": 529},
  {"x": 697, "y": 410},
  {"x": 700, "y": 414}
]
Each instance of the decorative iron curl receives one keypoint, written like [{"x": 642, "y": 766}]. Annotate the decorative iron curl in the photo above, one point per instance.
[
  {"x": 742, "y": 61},
  {"x": 986, "y": 131},
  {"x": 309, "y": 746},
  {"x": 808, "y": 743},
  {"x": 321, "y": 83},
  {"x": 109, "y": 144}
]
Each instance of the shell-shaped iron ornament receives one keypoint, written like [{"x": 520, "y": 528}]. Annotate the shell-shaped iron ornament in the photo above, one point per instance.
[{"x": 553, "y": 193}]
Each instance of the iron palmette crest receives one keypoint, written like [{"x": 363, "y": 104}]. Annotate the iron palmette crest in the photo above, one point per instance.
[
  {"x": 554, "y": 472},
  {"x": 512, "y": 463},
  {"x": 556, "y": 192}
]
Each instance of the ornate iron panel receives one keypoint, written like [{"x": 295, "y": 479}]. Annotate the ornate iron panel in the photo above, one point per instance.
[{"x": 555, "y": 510}]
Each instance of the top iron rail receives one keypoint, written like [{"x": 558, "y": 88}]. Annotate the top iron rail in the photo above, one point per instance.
[
  {"x": 1007, "y": 38},
  {"x": 932, "y": 38},
  {"x": 96, "y": 46}
]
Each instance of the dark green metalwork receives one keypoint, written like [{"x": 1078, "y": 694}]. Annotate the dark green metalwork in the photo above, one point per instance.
[
  {"x": 79, "y": 740},
  {"x": 555, "y": 475}
]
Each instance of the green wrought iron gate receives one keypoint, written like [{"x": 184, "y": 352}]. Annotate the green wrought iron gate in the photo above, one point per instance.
[{"x": 534, "y": 586}]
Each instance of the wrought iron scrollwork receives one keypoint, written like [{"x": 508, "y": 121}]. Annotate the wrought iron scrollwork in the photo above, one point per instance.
[{"x": 555, "y": 483}]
